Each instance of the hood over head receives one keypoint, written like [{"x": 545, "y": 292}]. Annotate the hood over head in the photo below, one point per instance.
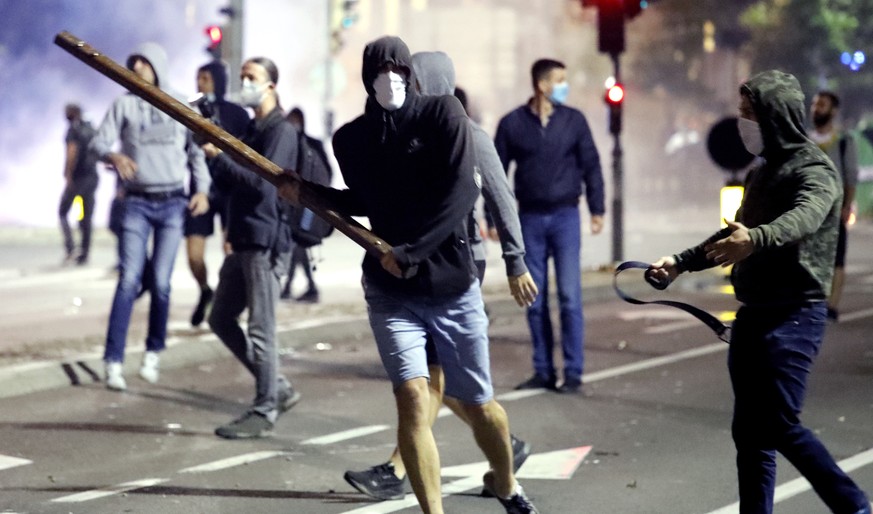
[
  {"x": 778, "y": 103},
  {"x": 219, "y": 77},
  {"x": 387, "y": 50},
  {"x": 157, "y": 57},
  {"x": 434, "y": 73}
]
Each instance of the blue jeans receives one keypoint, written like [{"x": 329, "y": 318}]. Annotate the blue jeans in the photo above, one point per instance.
[
  {"x": 249, "y": 279},
  {"x": 141, "y": 218},
  {"x": 770, "y": 357},
  {"x": 555, "y": 234},
  {"x": 458, "y": 326}
]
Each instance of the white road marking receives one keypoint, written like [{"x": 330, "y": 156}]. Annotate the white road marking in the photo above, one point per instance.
[
  {"x": 346, "y": 434},
  {"x": 109, "y": 491},
  {"x": 7, "y": 462},
  {"x": 556, "y": 465},
  {"x": 672, "y": 327},
  {"x": 654, "y": 362},
  {"x": 800, "y": 485},
  {"x": 233, "y": 461},
  {"x": 650, "y": 313}
]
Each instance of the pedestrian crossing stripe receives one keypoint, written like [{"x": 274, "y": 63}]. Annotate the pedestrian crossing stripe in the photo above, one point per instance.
[
  {"x": 7, "y": 462},
  {"x": 555, "y": 465}
]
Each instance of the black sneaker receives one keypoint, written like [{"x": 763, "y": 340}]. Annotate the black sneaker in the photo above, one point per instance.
[
  {"x": 571, "y": 386},
  {"x": 539, "y": 382},
  {"x": 378, "y": 482},
  {"x": 287, "y": 399},
  {"x": 206, "y": 295},
  {"x": 520, "y": 453},
  {"x": 250, "y": 426},
  {"x": 310, "y": 296},
  {"x": 518, "y": 503}
]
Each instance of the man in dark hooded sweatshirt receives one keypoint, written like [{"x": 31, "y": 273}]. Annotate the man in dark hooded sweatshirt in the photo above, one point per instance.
[
  {"x": 212, "y": 84},
  {"x": 782, "y": 250},
  {"x": 411, "y": 168}
]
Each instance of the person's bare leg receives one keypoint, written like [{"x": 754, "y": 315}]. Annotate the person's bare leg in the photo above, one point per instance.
[
  {"x": 196, "y": 247},
  {"x": 491, "y": 430},
  {"x": 435, "y": 388},
  {"x": 416, "y": 443}
]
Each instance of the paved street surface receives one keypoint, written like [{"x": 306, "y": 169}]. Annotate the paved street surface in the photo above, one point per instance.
[{"x": 650, "y": 433}]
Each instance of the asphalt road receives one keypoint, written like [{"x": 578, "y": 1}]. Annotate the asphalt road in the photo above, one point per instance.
[{"x": 650, "y": 434}]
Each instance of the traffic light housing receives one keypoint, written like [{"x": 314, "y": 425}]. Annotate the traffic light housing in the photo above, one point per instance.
[
  {"x": 215, "y": 34},
  {"x": 614, "y": 98},
  {"x": 610, "y": 26}
]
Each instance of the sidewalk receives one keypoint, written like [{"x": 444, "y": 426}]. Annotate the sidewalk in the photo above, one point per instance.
[{"x": 54, "y": 319}]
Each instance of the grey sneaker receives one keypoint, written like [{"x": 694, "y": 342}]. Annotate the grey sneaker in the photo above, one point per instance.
[
  {"x": 287, "y": 399},
  {"x": 518, "y": 503},
  {"x": 250, "y": 426}
]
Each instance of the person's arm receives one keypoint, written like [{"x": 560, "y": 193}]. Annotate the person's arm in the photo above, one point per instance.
[
  {"x": 592, "y": 175},
  {"x": 106, "y": 138},
  {"x": 850, "y": 174},
  {"x": 280, "y": 147},
  {"x": 500, "y": 204},
  {"x": 817, "y": 190},
  {"x": 70, "y": 160},
  {"x": 462, "y": 193}
]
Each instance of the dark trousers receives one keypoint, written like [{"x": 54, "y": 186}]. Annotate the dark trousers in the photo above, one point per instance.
[
  {"x": 770, "y": 357},
  {"x": 84, "y": 187}
]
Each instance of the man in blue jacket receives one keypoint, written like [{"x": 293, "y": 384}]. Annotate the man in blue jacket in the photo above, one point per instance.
[
  {"x": 411, "y": 168},
  {"x": 260, "y": 239},
  {"x": 556, "y": 161}
]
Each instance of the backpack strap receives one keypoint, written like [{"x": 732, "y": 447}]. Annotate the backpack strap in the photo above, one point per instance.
[{"x": 722, "y": 330}]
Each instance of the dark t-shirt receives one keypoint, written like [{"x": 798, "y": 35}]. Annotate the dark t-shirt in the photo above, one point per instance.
[{"x": 86, "y": 161}]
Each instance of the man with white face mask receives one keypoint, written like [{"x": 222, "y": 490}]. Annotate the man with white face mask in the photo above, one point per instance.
[
  {"x": 260, "y": 240},
  {"x": 555, "y": 160},
  {"x": 782, "y": 251},
  {"x": 411, "y": 168}
]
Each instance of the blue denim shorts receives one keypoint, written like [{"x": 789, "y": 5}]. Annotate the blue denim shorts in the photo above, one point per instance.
[{"x": 458, "y": 325}]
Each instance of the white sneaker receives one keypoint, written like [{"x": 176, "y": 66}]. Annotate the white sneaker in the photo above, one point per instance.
[
  {"x": 114, "y": 377},
  {"x": 149, "y": 369}
]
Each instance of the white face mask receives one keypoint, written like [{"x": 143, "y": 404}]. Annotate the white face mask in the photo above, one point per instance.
[
  {"x": 750, "y": 133},
  {"x": 390, "y": 90},
  {"x": 251, "y": 94}
]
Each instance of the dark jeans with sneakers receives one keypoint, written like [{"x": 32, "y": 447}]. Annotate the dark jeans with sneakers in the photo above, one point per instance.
[
  {"x": 249, "y": 279},
  {"x": 770, "y": 357}
]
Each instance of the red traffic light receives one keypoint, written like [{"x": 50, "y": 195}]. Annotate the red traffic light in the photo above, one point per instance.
[
  {"x": 214, "y": 34},
  {"x": 615, "y": 94}
]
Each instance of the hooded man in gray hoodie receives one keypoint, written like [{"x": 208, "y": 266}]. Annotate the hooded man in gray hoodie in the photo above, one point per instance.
[{"x": 156, "y": 153}]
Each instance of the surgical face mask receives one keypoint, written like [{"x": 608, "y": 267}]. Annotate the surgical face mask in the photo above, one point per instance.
[
  {"x": 390, "y": 89},
  {"x": 559, "y": 92},
  {"x": 251, "y": 94},
  {"x": 750, "y": 133}
]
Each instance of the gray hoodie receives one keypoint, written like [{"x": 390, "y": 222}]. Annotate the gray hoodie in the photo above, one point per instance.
[
  {"x": 161, "y": 147},
  {"x": 435, "y": 75}
]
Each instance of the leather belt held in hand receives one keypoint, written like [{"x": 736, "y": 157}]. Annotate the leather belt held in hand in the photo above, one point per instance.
[{"x": 722, "y": 330}]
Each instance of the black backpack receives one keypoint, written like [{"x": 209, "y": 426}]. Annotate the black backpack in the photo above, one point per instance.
[{"x": 308, "y": 229}]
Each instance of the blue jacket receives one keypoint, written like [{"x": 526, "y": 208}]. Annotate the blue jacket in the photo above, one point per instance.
[
  {"x": 552, "y": 162},
  {"x": 256, "y": 214}
]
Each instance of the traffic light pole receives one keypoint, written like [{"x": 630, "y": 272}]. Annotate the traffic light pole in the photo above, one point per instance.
[{"x": 617, "y": 176}]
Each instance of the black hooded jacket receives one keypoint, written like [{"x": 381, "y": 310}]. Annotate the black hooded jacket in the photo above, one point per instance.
[
  {"x": 230, "y": 116},
  {"x": 413, "y": 173}
]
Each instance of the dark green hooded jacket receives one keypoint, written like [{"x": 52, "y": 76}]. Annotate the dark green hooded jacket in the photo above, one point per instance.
[{"x": 791, "y": 205}]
